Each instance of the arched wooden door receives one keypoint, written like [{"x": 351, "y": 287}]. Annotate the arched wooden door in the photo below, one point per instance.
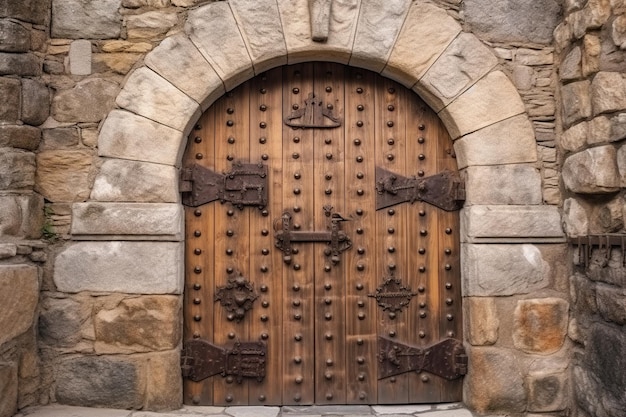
[{"x": 315, "y": 272}]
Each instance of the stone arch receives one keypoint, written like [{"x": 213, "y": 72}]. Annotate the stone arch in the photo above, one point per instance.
[{"x": 226, "y": 43}]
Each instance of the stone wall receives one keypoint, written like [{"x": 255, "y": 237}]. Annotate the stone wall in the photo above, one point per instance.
[{"x": 591, "y": 44}]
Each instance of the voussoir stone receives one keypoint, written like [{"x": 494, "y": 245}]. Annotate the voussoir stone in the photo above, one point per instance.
[
  {"x": 19, "y": 295},
  {"x": 85, "y": 19},
  {"x": 214, "y": 31},
  {"x": 150, "y": 95},
  {"x": 492, "y": 99},
  {"x": 428, "y": 29},
  {"x": 503, "y": 269},
  {"x": 465, "y": 61},
  {"x": 540, "y": 324},
  {"x": 63, "y": 175},
  {"x": 510, "y": 141},
  {"x": 592, "y": 171},
  {"x": 259, "y": 23},
  {"x": 608, "y": 92},
  {"x": 377, "y": 29},
  {"x": 178, "y": 61},
  {"x": 482, "y": 320},
  {"x": 128, "y": 221},
  {"x": 125, "y": 267},
  {"x": 503, "y": 184},
  {"x": 126, "y": 135},
  {"x": 88, "y": 101}
]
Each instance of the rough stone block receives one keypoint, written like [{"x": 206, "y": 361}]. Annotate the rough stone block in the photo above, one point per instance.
[
  {"x": 19, "y": 295},
  {"x": 575, "y": 220},
  {"x": 149, "y": 95},
  {"x": 605, "y": 357},
  {"x": 178, "y": 60},
  {"x": 482, "y": 323},
  {"x": 618, "y": 31},
  {"x": 494, "y": 381},
  {"x": 540, "y": 325},
  {"x": 24, "y": 65},
  {"x": 35, "y": 102},
  {"x": 125, "y": 135},
  {"x": 63, "y": 175},
  {"x": 611, "y": 302},
  {"x": 80, "y": 57},
  {"x": 571, "y": 67},
  {"x": 501, "y": 270},
  {"x": 296, "y": 25},
  {"x": 11, "y": 91},
  {"x": 150, "y": 25},
  {"x": 14, "y": 37},
  {"x": 575, "y": 138},
  {"x": 131, "y": 181},
  {"x": 82, "y": 19},
  {"x": 510, "y": 223},
  {"x": 576, "y": 102},
  {"x": 464, "y": 62},
  {"x": 127, "y": 221},
  {"x": 89, "y": 101},
  {"x": 60, "y": 138},
  {"x": 32, "y": 215},
  {"x": 8, "y": 389},
  {"x": 10, "y": 216},
  {"x": 61, "y": 319},
  {"x": 100, "y": 381},
  {"x": 548, "y": 392},
  {"x": 20, "y": 136},
  {"x": 503, "y": 184},
  {"x": 139, "y": 324},
  {"x": 213, "y": 29},
  {"x": 120, "y": 63},
  {"x": 32, "y": 11},
  {"x": 17, "y": 169},
  {"x": 164, "y": 383},
  {"x": 377, "y": 29},
  {"x": 510, "y": 141},
  {"x": 608, "y": 92},
  {"x": 428, "y": 29},
  {"x": 259, "y": 23},
  {"x": 126, "y": 267},
  {"x": 482, "y": 105},
  {"x": 592, "y": 171}
]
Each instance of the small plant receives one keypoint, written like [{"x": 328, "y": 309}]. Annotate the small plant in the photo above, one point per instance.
[{"x": 47, "y": 230}]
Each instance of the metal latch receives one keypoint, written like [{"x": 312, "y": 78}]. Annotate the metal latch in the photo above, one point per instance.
[
  {"x": 201, "y": 359},
  {"x": 244, "y": 185},
  {"x": 445, "y": 190}
]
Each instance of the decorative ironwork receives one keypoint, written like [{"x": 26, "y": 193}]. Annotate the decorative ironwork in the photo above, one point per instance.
[
  {"x": 313, "y": 115},
  {"x": 392, "y": 295},
  {"x": 244, "y": 185},
  {"x": 237, "y": 297},
  {"x": 446, "y": 359},
  {"x": 201, "y": 359},
  {"x": 445, "y": 190},
  {"x": 605, "y": 243}
]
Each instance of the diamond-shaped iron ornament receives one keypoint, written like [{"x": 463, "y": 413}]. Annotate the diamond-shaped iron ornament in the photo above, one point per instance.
[
  {"x": 392, "y": 295},
  {"x": 237, "y": 297}
]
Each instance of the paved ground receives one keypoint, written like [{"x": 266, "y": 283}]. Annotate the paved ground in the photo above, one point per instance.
[{"x": 439, "y": 410}]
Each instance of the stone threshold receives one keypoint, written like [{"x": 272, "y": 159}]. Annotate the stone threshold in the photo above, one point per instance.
[{"x": 421, "y": 410}]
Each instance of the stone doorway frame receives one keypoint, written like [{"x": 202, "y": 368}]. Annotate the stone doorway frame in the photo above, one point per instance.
[{"x": 133, "y": 223}]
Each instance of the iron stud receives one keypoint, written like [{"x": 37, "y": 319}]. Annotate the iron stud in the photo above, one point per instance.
[
  {"x": 263, "y": 288},
  {"x": 265, "y": 304},
  {"x": 422, "y": 251},
  {"x": 391, "y": 141},
  {"x": 421, "y": 139},
  {"x": 262, "y": 125},
  {"x": 359, "y": 231},
  {"x": 391, "y": 230},
  {"x": 448, "y": 285},
  {"x": 198, "y": 126},
  {"x": 328, "y": 191},
  {"x": 296, "y": 287},
  {"x": 328, "y": 376},
  {"x": 330, "y": 106},
  {"x": 359, "y": 90},
  {"x": 360, "y": 107},
  {"x": 263, "y": 90},
  {"x": 447, "y": 251},
  {"x": 297, "y": 175},
  {"x": 422, "y": 268},
  {"x": 264, "y": 268},
  {"x": 421, "y": 288},
  {"x": 196, "y": 301},
  {"x": 296, "y": 209},
  {"x": 264, "y": 317},
  {"x": 327, "y": 268},
  {"x": 297, "y": 398},
  {"x": 450, "y": 334},
  {"x": 391, "y": 249},
  {"x": 328, "y": 286},
  {"x": 361, "y": 250},
  {"x": 297, "y": 360},
  {"x": 391, "y": 90},
  {"x": 422, "y": 213},
  {"x": 197, "y": 287},
  {"x": 392, "y": 315},
  {"x": 390, "y": 157},
  {"x": 359, "y": 286},
  {"x": 229, "y": 123},
  {"x": 392, "y": 333},
  {"x": 229, "y": 252},
  {"x": 296, "y": 139},
  {"x": 329, "y": 89},
  {"x": 262, "y": 398},
  {"x": 422, "y": 305},
  {"x": 360, "y": 192},
  {"x": 197, "y": 251},
  {"x": 230, "y": 233},
  {"x": 197, "y": 233},
  {"x": 390, "y": 123},
  {"x": 359, "y": 123},
  {"x": 265, "y": 232},
  {"x": 360, "y": 360},
  {"x": 361, "y": 377},
  {"x": 359, "y": 341},
  {"x": 296, "y": 90},
  {"x": 449, "y": 301},
  {"x": 421, "y": 157},
  {"x": 360, "y": 267},
  {"x": 422, "y": 334},
  {"x": 425, "y": 378},
  {"x": 448, "y": 267},
  {"x": 296, "y": 303},
  {"x": 328, "y": 176},
  {"x": 262, "y": 107},
  {"x": 329, "y": 396},
  {"x": 196, "y": 335},
  {"x": 423, "y": 314},
  {"x": 423, "y": 232},
  {"x": 361, "y": 316},
  {"x": 299, "y": 379},
  {"x": 391, "y": 212},
  {"x": 329, "y": 362},
  {"x": 421, "y": 127},
  {"x": 329, "y": 156},
  {"x": 230, "y": 213},
  {"x": 197, "y": 213},
  {"x": 295, "y": 107},
  {"x": 197, "y": 270},
  {"x": 392, "y": 379},
  {"x": 357, "y": 142},
  {"x": 262, "y": 140},
  {"x": 296, "y": 267},
  {"x": 298, "y": 337},
  {"x": 197, "y": 318},
  {"x": 360, "y": 303},
  {"x": 297, "y": 316},
  {"x": 448, "y": 230},
  {"x": 420, "y": 173},
  {"x": 197, "y": 139},
  {"x": 231, "y": 140},
  {"x": 391, "y": 266},
  {"x": 450, "y": 317},
  {"x": 265, "y": 336},
  {"x": 265, "y": 251},
  {"x": 360, "y": 175},
  {"x": 229, "y": 398},
  {"x": 359, "y": 212},
  {"x": 265, "y": 157},
  {"x": 328, "y": 301},
  {"x": 328, "y": 141},
  {"x": 328, "y": 336},
  {"x": 296, "y": 191},
  {"x": 391, "y": 107}
]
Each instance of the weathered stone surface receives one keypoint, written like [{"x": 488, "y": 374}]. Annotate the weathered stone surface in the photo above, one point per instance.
[
  {"x": 84, "y": 19},
  {"x": 35, "y": 102},
  {"x": 548, "y": 391},
  {"x": 494, "y": 381},
  {"x": 611, "y": 272},
  {"x": 464, "y": 62},
  {"x": 618, "y": 31},
  {"x": 296, "y": 24},
  {"x": 607, "y": 217},
  {"x": 140, "y": 324},
  {"x": 14, "y": 37},
  {"x": 503, "y": 184},
  {"x": 128, "y": 136},
  {"x": 126, "y": 267},
  {"x": 10, "y": 216},
  {"x": 164, "y": 383},
  {"x": 571, "y": 67},
  {"x": 131, "y": 181},
  {"x": 575, "y": 220},
  {"x": 17, "y": 169},
  {"x": 523, "y": 77},
  {"x": 63, "y": 175},
  {"x": 540, "y": 325},
  {"x": 510, "y": 141},
  {"x": 8, "y": 389},
  {"x": 608, "y": 92},
  {"x": 262, "y": 33},
  {"x": 80, "y": 57},
  {"x": 150, "y": 24},
  {"x": 611, "y": 302},
  {"x": 20, "y": 136},
  {"x": 621, "y": 164},
  {"x": 135, "y": 4},
  {"x": 592, "y": 171},
  {"x": 576, "y": 101},
  {"x": 60, "y": 321},
  {"x": 500, "y": 269},
  {"x": 24, "y": 65},
  {"x": 88, "y": 101},
  {"x": 119, "y": 63},
  {"x": 592, "y": 50},
  {"x": 127, "y": 221},
  {"x": 10, "y": 90},
  {"x": 575, "y": 138},
  {"x": 19, "y": 294},
  {"x": 31, "y": 215},
  {"x": 32, "y": 11},
  {"x": 213, "y": 29},
  {"x": 60, "y": 138},
  {"x": 7, "y": 250},
  {"x": 482, "y": 323},
  {"x": 100, "y": 381},
  {"x": 430, "y": 30},
  {"x": 377, "y": 29},
  {"x": 482, "y": 105},
  {"x": 151, "y": 96},
  {"x": 484, "y": 223},
  {"x": 178, "y": 60},
  {"x": 125, "y": 46}
]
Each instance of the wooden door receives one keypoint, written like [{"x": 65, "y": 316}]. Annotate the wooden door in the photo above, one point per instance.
[{"x": 345, "y": 322}]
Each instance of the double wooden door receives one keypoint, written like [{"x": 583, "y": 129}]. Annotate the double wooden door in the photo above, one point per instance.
[{"x": 307, "y": 255}]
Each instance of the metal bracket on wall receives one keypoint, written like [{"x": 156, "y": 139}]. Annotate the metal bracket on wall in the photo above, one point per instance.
[{"x": 603, "y": 242}]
